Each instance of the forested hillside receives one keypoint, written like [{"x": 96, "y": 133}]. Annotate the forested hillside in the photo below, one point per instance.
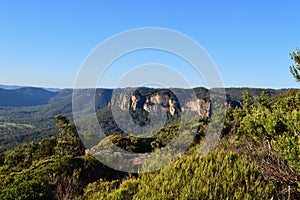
[{"x": 257, "y": 157}]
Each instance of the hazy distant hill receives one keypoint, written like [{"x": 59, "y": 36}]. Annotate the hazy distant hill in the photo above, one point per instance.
[
  {"x": 27, "y": 96},
  {"x": 10, "y": 87},
  {"x": 13, "y": 87}
]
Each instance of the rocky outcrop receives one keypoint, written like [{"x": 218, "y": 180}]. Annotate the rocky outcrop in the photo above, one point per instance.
[
  {"x": 172, "y": 107},
  {"x": 154, "y": 101},
  {"x": 160, "y": 99},
  {"x": 134, "y": 101},
  {"x": 200, "y": 106},
  {"x": 121, "y": 100}
]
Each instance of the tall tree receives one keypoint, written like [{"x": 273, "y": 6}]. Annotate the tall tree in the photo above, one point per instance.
[
  {"x": 295, "y": 69},
  {"x": 68, "y": 142}
]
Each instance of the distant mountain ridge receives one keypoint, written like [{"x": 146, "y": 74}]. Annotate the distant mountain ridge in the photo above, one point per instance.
[
  {"x": 25, "y": 96},
  {"x": 13, "y": 87},
  {"x": 10, "y": 87}
]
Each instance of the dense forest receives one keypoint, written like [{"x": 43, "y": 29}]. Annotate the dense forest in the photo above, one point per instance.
[{"x": 257, "y": 157}]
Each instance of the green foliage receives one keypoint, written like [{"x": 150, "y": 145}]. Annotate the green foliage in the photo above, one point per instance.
[
  {"x": 221, "y": 175},
  {"x": 111, "y": 190},
  {"x": 26, "y": 190},
  {"x": 127, "y": 190},
  {"x": 42, "y": 171},
  {"x": 129, "y": 143},
  {"x": 295, "y": 70},
  {"x": 278, "y": 123},
  {"x": 263, "y": 119},
  {"x": 289, "y": 147},
  {"x": 247, "y": 102},
  {"x": 46, "y": 147},
  {"x": 100, "y": 189},
  {"x": 218, "y": 176},
  {"x": 68, "y": 142},
  {"x": 272, "y": 166},
  {"x": 54, "y": 178},
  {"x": 22, "y": 157}
]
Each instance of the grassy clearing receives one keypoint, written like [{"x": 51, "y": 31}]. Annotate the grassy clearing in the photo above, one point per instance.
[{"x": 14, "y": 125}]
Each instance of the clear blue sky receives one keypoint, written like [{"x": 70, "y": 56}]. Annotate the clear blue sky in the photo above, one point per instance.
[{"x": 43, "y": 43}]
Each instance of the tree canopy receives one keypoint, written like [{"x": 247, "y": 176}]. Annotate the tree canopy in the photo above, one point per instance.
[{"x": 295, "y": 69}]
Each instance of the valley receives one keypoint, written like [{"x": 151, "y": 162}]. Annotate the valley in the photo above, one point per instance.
[{"x": 37, "y": 121}]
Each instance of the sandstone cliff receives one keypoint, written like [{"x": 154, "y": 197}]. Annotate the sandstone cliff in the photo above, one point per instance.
[{"x": 151, "y": 100}]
